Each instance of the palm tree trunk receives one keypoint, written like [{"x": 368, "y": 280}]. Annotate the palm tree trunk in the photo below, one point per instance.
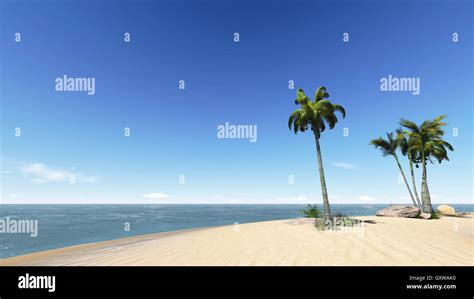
[
  {"x": 405, "y": 180},
  {"x": 425, "y": 193},
  {"x": 326, "y": 206},
  {"x": 414, "y": 184}
]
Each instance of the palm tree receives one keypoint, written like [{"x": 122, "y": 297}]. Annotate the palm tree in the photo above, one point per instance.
[
  {"x": 427, "y": 141},
  {"x": 388, "y": 147},
  {"x": 316, "y": 115},
  {"x": 408, "y": 150}
]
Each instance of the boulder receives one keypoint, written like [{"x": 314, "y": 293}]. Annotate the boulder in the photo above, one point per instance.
[
  {"x": 446, "y": 210},
  {"x": 425, "y": 215},
  {"x": 399, "y": 211}
]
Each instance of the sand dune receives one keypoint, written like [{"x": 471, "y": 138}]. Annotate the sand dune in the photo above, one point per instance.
[{"x": 387, "y": 241}]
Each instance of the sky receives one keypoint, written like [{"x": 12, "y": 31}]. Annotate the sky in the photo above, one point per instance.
[{"x": 72, "y": 147}]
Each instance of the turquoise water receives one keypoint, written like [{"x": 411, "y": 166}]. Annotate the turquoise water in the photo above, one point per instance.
[{"x": 67, "y": 225}]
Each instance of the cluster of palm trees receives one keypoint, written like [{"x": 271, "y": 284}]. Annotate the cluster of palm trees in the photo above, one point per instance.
[
  {"x": 316, "y": 115},
  {"x": 420, "y": 145}
]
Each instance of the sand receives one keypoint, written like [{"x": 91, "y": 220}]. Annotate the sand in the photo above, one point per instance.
[{"x": 384, "y": 242}]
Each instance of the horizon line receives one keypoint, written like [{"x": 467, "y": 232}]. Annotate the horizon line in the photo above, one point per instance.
[{"x": 380, "y": 203}]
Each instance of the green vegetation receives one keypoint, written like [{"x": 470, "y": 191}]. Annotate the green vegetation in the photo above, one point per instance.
[
  {"x": 312, "y": 211},
  {"x": 427, "y": 141},
  {"x": 389, "y": 147},
  {"x": 315, "y": 116},
  {"x": 339, "y": 219},
  {"x": 420, "y": 144},
  {"x": 342, "y": 219}
]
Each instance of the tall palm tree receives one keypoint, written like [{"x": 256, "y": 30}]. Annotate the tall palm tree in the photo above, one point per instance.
[
  {"x": 427, "y": 141},
  {"x": 388, "y": 147},
  {"x": 316, "y": 115},
  {"x": 409, "y": 151}
]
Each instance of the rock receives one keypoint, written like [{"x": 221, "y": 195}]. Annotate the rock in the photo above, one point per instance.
[
  {"x": 425, "y": 215},
  {"x": 399, "y": 211},
  {"x": 446, "y": 210}
]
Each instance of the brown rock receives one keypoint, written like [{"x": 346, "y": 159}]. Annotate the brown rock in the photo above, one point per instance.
[{"x": 399, "y": 211}]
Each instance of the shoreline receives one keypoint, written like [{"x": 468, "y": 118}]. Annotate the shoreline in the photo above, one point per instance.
[
  {"x": 109, "y": 242},
  {"x": 383, "y": 241}
]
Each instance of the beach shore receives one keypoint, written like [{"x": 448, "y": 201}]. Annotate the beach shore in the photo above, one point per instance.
[{"x": 380, "y": 241}]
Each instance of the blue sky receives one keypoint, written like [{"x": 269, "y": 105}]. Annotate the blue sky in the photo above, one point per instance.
[{"x": 174, "y": 131}]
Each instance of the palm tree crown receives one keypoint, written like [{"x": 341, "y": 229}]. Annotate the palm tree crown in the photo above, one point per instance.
[
  {"x": 427, "y": 138},
  {"x": 314, "y": 114},
  {"x": 388, "y": 146}
]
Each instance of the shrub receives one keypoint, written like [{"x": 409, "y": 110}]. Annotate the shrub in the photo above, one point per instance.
[
  {"x": 341, "y": 219},
  {"x": 312, "y": 211}
]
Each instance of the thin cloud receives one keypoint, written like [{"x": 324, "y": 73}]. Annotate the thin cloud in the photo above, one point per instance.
[
  {"x": 292, "y": 199},
  {"x": 232, "y": 195},
  {"x": 299, "y": 198},
  {"x": 155, "y": 195},
  {"x": 39, "y": 173},
  {"x": 343, "y": 165},
  {"x": 366, "y": 198}
]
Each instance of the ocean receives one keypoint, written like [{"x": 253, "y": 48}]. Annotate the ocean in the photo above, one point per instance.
[{"x": 67, "y": 225}]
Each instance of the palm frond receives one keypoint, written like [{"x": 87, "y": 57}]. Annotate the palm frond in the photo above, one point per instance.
[
  {"x": 330, "y": 119},
  {"x": 409, "y": 125},
  {"x": 324, "y": 106},
  {"x": 296, "y": 114},
  {"x": 320, "y": 94},
  {"x": 301, "y": 97},
  {"x": 340, "y": 109},
  {"x": 383, "y": 145}
]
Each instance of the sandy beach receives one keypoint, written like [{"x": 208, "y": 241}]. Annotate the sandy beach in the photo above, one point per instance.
[{"x": 383, "y": 241}]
